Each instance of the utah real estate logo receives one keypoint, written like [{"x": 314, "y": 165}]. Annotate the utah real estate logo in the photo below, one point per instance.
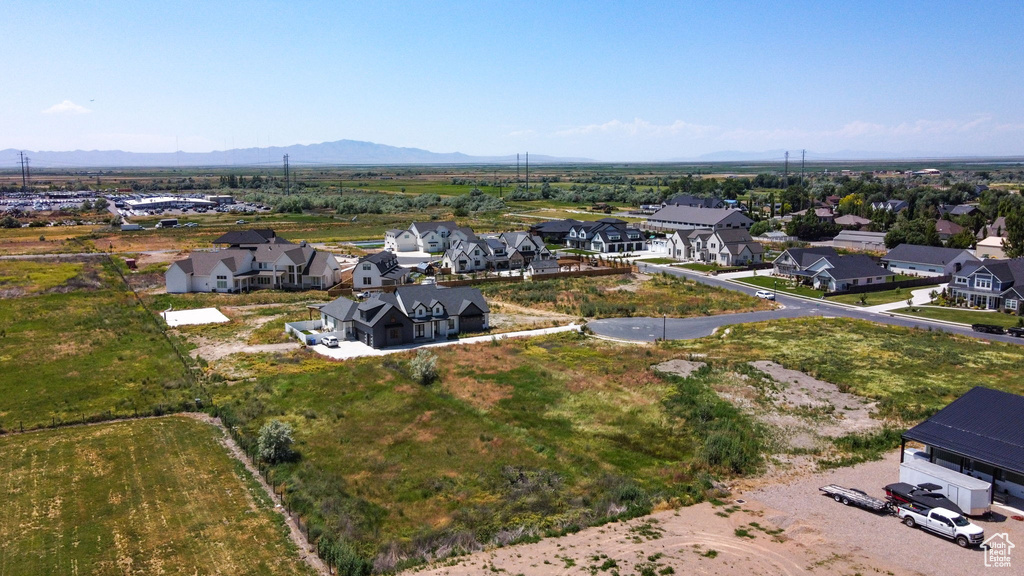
[{"x": 997, "y": 550}]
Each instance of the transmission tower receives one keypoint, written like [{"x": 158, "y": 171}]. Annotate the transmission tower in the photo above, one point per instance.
[
  {"x": 287, "y": 177},
  {"x": 527, "y": 170},
  {"x": 785, "y": 172},
  {"x": 21, "y": 161}
]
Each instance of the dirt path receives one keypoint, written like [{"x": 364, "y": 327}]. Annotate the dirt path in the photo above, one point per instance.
[
  {"x": 212, "y": 351},
  {"x": 306, "y": 551}
]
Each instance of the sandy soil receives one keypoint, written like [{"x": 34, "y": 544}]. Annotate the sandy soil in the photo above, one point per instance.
[
  {"x": 701, "y": 539},
  {"x": 505, "y": 316},
  {"x": 681, "y": 368}
]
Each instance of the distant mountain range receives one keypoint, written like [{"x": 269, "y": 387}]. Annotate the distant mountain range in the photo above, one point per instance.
[{"x": 341, "y": 152}]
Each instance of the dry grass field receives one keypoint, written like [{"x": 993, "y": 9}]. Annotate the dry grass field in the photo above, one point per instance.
[{"x": 155, "y": 496}]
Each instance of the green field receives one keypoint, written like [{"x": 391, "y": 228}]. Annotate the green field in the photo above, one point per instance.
[
  {"x": 80, "y": 347},
  {"x": 607, "y": 296},
  {"x": 912, "y": 373},
  {"x": 881, "y": 297},
  {"x": 156, "y": 496},
  {"x": 544, "y": 435},
  {"x": 962, "y": 316}
]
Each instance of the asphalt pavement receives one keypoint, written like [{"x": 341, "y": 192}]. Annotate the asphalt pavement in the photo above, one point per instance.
[{"x": 645, "y": 329}]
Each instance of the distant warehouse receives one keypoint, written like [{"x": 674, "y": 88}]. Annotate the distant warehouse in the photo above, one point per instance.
[{"x": 168, "y": 202}]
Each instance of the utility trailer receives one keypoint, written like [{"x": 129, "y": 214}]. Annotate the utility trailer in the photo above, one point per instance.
[{"x": 852, "y": 496}]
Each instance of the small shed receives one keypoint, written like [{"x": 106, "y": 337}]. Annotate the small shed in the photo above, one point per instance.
[
  {"x": 131, "y": 264},
  {"x": 543, "y": 266}
]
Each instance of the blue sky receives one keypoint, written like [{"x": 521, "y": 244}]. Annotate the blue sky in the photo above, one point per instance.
[{"x": 603, "y": 80}]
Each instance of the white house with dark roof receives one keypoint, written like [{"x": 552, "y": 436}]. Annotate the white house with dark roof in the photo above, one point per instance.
[
  {"x": 274, "y": 264},
  {"x": 607, "y": 235},
  {"x": 840, "y": 273},
  {"x": 378, "y": 270},
  {"x": 691, "y": 217},
  {"x": 926, "y": 260},
  {"x": 725, "y": 247},
  {"x": 795, "y": 261}
]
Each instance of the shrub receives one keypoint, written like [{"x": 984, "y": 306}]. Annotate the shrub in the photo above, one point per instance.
[
  {"x": 275, "y": 441},
  {"x": 424, "y": 367}
]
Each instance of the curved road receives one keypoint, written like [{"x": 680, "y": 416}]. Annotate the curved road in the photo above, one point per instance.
[{"x": 650, "y": 329}]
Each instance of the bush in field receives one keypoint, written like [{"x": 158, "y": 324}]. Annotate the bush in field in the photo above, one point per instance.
[
  {"x": 424, "y": 367},
  {"x": 275, "y": 441}
]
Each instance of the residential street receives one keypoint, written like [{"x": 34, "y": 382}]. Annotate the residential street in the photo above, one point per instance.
[{"x": 649, "y": 329}]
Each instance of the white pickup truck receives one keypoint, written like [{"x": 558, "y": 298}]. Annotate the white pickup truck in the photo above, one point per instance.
[{"x": 944, "y": 523}]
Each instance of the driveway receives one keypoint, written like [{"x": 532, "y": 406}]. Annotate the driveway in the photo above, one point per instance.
[
  {"x": 651, "y": 329},
  {"x": 352, "y": 349}
]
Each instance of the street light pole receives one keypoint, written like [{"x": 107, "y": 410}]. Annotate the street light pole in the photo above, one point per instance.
[
  {"x": 775, "y": 295},
  {"x": 664, "y": 327}
]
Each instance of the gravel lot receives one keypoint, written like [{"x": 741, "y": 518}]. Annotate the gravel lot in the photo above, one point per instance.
[{"x": 854, "y": 530}]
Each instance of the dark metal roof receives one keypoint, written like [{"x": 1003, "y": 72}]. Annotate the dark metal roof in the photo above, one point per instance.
[
  {"x": 854, "y": 266},
  {"x": 925, "y": 254},
  {"x": 983, "y": 424},
  {"x": 250, "y": 236}
]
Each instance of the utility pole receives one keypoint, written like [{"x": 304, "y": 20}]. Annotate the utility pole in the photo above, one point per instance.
[
  {"x": 287, "y": 177},
  {"x": 527, "y": 170},
  {"x": 803, "y": 157},
  {"x": 785, "y": 173},
  {"x": 21, "y": 161},
  {"x": 517, "y": 167}
]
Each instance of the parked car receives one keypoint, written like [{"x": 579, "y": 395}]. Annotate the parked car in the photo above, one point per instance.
[
  {"x": 329, "y": 341},
  {"x": 943, "y": 522},
  {"x": 362, "y": 295},
  {"x": 1015, "y": 331},
  {"x": 766, "y": 294}
]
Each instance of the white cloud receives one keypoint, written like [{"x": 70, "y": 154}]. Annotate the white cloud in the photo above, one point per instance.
[{"x": 67, "y": 107}]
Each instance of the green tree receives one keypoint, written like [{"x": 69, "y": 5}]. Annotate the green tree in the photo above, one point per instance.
[
  {"x": 963, "y": 240},
  {"x": 274, "y": 443},
  {"x": 1014, "y": 242},
  {"x": 759, "y": 228}
]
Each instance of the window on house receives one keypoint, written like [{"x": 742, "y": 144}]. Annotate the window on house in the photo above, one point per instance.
[
  {"x": 961, "y": 280},
  {"x": 451, "y": 323},
  {"x": 419, "y": 331},
  {"x": 983, "y": 282},
  {"x": 1011, "y": 304},
  {"x": 222, "y": 281},
  {"x": 366, "y": 266},
  {"x": 366, "y": 281}
]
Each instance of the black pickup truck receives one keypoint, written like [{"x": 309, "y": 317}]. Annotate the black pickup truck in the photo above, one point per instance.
[
  {"x": 1016, "y": 332},
  {"x": 988, "y": 328}
]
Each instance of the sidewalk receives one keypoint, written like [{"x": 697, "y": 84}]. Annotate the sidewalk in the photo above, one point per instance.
[{"x": 920, "y": 296}]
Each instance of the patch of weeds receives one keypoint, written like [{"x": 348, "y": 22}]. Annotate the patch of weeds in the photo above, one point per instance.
[
  {"x": 710, "y": 554},
  {"x": 648, "y": 530},
  {"x": 743, "y": 533}
]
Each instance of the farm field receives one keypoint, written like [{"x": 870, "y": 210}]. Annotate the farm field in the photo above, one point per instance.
[
  {"x": 627, "y": 295},
  {"x": 81, "y": 346},
  {"x": 152, "y": 496}
]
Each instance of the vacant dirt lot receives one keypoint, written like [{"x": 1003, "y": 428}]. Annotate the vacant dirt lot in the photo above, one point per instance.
[{"x": 783, "y": 528}]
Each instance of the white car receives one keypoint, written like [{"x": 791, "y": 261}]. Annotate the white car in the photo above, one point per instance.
[
  {"x": 766, "y": 294},
  {"x": 329, "y": 341}
]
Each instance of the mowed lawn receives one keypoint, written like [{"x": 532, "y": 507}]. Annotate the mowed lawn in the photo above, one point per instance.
[
  {"x": 75, "y": 344},
  {"x": 155, "y": 496}
]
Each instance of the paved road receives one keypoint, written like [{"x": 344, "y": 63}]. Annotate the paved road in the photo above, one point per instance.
[{"x": 649, "y": 329}]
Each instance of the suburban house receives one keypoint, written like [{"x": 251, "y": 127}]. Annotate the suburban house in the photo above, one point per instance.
[
  {"x": 996, "y": 228},
  {"x": 958, "y": 210},
  {"x": 250, "y": 238},
  {"x": 690, "y": 218},
  {"x": 409, "y": 315},
  {"x": 605, "y": 235},
  {"x": 467, "y": 256},
  {"x": 840, "y": 273},
  {"x": 432, "y": 237},
  {"x": 990, "y": 284},
  {"x": 276, "y": 264},
  {"x": 378, "y": 270},
  {"x": 795, "y": 260},
  {"x": 978, "y": 434},
  {"x": 724, "y": 247},
  {"x": 947, "y": 229},
  {"x": 528, "y": 245},
  {"x": 926, "y": 260},
  {"x": 893, "y": 205},
  {"x": 860, "y": 240},
  {"x": 990, "y": 247},
  {"x": 694, "y": 201},
  {"x": 852, "y": 221},
  {"x": 823, "y": 215},
  {"x": 555, "y": 231}
]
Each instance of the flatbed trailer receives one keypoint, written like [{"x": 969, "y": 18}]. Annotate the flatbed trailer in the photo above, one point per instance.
[{"x": 852, "y": 496}]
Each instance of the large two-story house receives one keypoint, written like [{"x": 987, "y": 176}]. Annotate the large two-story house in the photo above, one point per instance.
[
  {"x": 605, "y": 235},
  {"x": 432, "y": 237},
  {"x": 841, "y": 273},
  {"x": 691, "y": 218},
  {"x": 725, "y": 247},
  {"x": 926, "y": 260},
  {"x": 378, "y": 270},
  {"x": 796, "y": 260},
  {"x": 528, "y": 245},
  {"x": 411, "y": 314},
  {"x": 254, "y": 261},
  {"x": 990, "y": 284}
]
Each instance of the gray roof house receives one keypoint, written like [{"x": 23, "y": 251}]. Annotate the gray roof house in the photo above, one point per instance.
[
  {"x": 378, "y": 270},
  {"x": 926, "y": 260},
  {"x": 276, "y": 263},
  {"x": 840, "y": 273},
  {"x": 410, "y": 315},
  {"x": 694, "y": 201},
  {"x": 796, "y": 260},
  {"x": 990, "y": 284},
  {"x": 689, "y": 218},
  {"x": 606, "y": 235}
]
